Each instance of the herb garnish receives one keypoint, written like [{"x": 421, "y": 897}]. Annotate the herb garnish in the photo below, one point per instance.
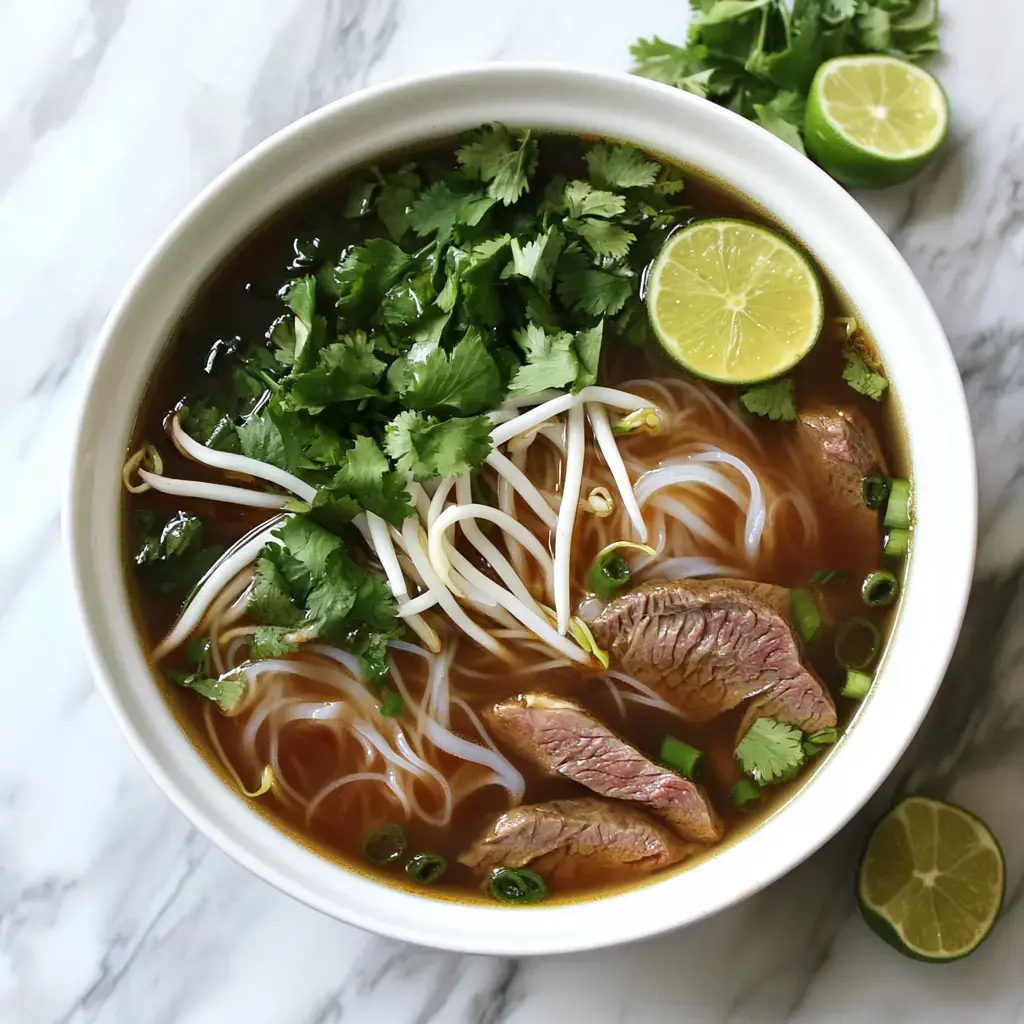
[{"x": 758, "y": 57}]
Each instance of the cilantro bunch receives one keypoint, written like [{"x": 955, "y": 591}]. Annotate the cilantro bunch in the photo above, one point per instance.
[
  {"x": 496, "y": 269},
  {"x": 470, "y": 283},
  {"x": 758, "y": 57}
]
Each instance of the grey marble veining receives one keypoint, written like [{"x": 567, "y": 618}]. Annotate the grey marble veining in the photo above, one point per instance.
[{"x": 113, "y": 114}]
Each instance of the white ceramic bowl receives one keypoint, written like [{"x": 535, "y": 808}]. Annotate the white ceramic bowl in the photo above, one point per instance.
[{"x": 826, "y": 220}]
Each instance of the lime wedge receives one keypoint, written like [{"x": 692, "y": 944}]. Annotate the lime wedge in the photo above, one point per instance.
[
  {"x": 873, "y": 120},
  {"x": 931, "y": 881},
  {"x": 732, "y": 301}
]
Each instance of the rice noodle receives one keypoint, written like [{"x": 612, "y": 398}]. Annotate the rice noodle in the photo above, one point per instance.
[
  {"x": 688, "y": 567},
  {"x": 755, "y": 509},
  {"x": 447, "y": 741},
  {"x": 233, "y": 463},
  {"x": 651, "y": 699}
]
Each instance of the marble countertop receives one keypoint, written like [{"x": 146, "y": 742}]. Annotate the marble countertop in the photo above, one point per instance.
[{"x": 113, "y": 910}]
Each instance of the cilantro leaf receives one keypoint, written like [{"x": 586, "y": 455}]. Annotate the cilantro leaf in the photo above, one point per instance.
[
  {"x": 300, "y": 345},
  {"x": 332, "y": 596},
  {"x": 465, "y": 380},
  {"x": 556, "y": 359},
  {"x": 271, "y": 599},
  {"x": 346, "y": 370},
  {"x": 582, "y": 200},
  {"x": 262, "y": 438},
  {"x": 374, "y": 606},
  {"x": 366, "y": 477},
  {"x": 505, "y": 162},
  {"x": 478, "y": 280},
  {"x": 210, "y": 424},
  {"x": 589, "y": 289},
  {"x": 861, "y": 377},
  {"x": 439, "y": 209},
  {"x": 550, "y": 361},
  {"x": 226, "y": 692},
  {"x": 784, "y": 118},
  {"x": 271, "y": 642},
  {"x": 405, "y": 303},
  {"x": 427, "y": 447},
  {"x": 395, "y": 200},
  {"x": 605, "y": 238},
  {"x": 365, "y": 274},
  {"x": 170, "y": 557},
  {"x": 682, "y": 67},
  {"x": 536, "y": 260},
  {"x": 770, "y": 751},
  {"x": 773, "y": 399},
  {"x": 613, "y": 166},
  {"x": 300, "y": 297},
  {"x": 588, "y": 351},
  {"x": 307, "y": 579}
]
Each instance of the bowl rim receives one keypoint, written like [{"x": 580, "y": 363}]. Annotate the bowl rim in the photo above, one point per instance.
[{"x": 766, "y": 170}]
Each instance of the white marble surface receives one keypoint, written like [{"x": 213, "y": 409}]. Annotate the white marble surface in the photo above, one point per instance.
[{"x": 114, "y": 113}]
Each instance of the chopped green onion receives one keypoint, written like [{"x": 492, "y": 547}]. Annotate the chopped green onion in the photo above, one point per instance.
[
  {"x": 681, "y": 756},
  {"x": 745, "y": 791},
  {"x": 897, "y": 509},
  {"x": 608, "y": 574},
  {"x": 825, "y": 737},
  {"x": 829, "y": 576},
  {"x": 610, "y": 571},
  {"x": 806, "y": 616},
  {"x": 875, "y": 490},
  {"x": 879, "y": 588},
  {"x": 897, "y": 541},
  {"x": 856, "y": 686},
  {"x": 816, "y": 742},
  {"x": 426, "y": 868},
  {"x": 857, "y": 643},
  {"x": 517, "y": 886},
  {"x": 386, "y": 845}
]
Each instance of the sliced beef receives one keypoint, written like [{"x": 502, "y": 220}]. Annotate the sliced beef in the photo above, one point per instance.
[
  {"x": 840, "y": 449},
  {"x": 577, "y": 841},
  {"x": 561, "y": 738},
  {"x": 707, "y": 645}
]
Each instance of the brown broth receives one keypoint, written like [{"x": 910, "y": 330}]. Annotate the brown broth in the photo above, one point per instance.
[{"x": 241, "y": 299}]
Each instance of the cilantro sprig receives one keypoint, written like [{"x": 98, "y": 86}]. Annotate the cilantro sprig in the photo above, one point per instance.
[
  {"x": 451, "y": 282},
  {"x": 758, "y": 57},
  {"x": 770, "y": 751}
]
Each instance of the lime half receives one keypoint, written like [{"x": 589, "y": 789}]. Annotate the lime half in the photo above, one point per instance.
[
  {"x": 733, "y": 302},
  {"x": 873, "y": 120},
  {"x": 931, "y": 881}
]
